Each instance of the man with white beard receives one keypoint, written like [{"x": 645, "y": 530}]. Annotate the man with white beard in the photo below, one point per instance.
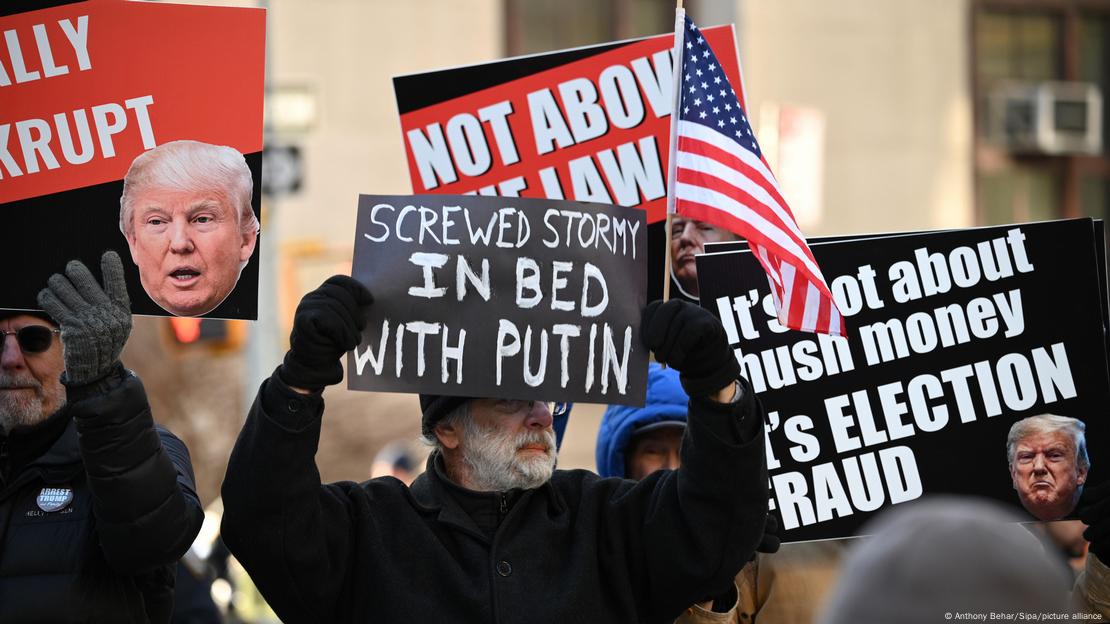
[{"x": 491, "y": 532}]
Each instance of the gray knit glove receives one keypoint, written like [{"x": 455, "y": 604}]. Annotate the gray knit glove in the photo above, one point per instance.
[{"x": 95, "y": 321}]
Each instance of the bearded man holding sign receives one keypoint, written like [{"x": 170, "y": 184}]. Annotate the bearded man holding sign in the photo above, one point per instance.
[{"x": 491, "y": 531}]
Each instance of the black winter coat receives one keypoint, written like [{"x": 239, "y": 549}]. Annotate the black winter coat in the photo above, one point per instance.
[
  {"x": 108, "y": 556},
  {"x": 577, "y": 549}
]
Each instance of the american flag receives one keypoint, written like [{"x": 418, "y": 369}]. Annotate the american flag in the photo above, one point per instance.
[{"x": 720, "y": 177}]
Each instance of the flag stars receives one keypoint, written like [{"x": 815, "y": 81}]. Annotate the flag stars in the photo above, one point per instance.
[
  {"x": 709, "y": 97},
  {"x": 722, "y": 116}
]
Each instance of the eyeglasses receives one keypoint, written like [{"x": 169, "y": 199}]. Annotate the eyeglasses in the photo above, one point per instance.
[
  {"x": 516, "y": 406},
  {"x": 31, "y": 338}
]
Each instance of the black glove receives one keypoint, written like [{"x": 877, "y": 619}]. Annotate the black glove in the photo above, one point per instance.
[
  {"x": 770, "y": 541},
  {"x": 95, "y": 321},
  {"x": 1094, "y": 511},
  {"x": 327, "y": 324},
  {"x": 692, "y": 341}
]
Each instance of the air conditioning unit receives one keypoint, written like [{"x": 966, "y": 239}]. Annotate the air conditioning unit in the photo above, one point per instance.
[{"x": 1046, "y": 117}]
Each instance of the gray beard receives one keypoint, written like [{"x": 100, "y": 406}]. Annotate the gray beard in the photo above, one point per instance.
[
  {"x": 490, "y": 455},
  {"x": 22, "y": 409}
]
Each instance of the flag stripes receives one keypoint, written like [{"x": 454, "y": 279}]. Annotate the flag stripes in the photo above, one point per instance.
[{"x": 720, "y": 177}]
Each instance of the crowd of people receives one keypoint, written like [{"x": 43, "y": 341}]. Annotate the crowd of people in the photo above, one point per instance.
[{"x": 98, "y": 504}]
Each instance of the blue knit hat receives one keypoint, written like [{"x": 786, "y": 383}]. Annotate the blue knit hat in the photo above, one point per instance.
[{"x": 666, "y": 403}]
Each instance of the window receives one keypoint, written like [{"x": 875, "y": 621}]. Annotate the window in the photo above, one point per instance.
[
  {"x": 544, "y": 25},
  {"x": 1030, "y": 42}
]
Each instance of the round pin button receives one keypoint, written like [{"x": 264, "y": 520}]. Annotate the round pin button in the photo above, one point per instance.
[
  {"x": 52, "y": 499},
  {"x": 504, "y": 569}
]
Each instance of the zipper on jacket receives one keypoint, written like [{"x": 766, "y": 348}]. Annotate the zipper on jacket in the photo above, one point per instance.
[{"x": 504, "y": 502}]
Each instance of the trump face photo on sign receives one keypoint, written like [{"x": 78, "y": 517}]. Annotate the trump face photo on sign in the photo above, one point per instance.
[{"x": 186, "y": 214}]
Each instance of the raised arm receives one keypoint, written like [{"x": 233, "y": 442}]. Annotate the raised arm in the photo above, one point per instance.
[
  {"x": 689, "y": 531},
  {"x": 291, "y": 533},
  {"x": 144, "y": 497}
]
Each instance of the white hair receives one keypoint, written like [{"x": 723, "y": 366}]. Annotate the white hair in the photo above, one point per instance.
[
  {"x": 190, "y": 166},
  {"x": 455, "y": 417},
  {"x": 489, "y": 454},
  {"x": 1050, "y": 423}
]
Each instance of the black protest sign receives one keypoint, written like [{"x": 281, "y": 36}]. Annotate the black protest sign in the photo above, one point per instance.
[
  {"x": 952, "y": 337},
  {"x": 501, "y": 297}
]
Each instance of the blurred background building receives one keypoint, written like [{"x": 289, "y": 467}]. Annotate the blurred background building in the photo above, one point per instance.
[{"x": 877, "y": 115}]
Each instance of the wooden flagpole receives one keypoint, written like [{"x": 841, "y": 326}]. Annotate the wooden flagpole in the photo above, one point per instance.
[{"x": 672, "y": 165}]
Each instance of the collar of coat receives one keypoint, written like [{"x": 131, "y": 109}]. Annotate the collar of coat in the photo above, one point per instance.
[
  {"x": 430, "y": 491},
  {"x": 48, "y": 450}
]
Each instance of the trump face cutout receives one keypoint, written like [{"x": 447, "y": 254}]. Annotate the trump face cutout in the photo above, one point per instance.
[
  {"x": 1048, "y": 464},
  {"x": 187, "y": 218},
  {"x": 688, "y": 238}
]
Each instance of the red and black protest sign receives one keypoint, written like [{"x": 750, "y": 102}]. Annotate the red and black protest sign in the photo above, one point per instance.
[
  {"x": 497, "y": 297},
  {"x": 589, "y": 124},
  {"x": 953, "y": 336},
  {"x": 85, "y": 88}
]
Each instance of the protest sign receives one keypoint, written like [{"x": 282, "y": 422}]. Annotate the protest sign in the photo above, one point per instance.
[
  {"x": 87, "y": 87},
  {"x": 589, "y": 124},
  {"x": 501, "y": 297},
  {"x": 952, "y": 337}
]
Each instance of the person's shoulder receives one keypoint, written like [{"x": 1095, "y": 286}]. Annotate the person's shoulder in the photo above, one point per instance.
[
  {"x": 165, "y": 433},
  {"x": 572, "y": 477},
  {"x": 378, "y": 490},
  {"x": 585, "y": 483},
  {"x": 378, "y": 486}
]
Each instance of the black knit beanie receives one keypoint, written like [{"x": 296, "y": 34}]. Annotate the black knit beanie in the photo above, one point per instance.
[
  {"x": 434, "y": 407},
  {"x": 5, "y": 314}
]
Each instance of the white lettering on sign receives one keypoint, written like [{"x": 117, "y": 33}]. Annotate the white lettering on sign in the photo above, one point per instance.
[
  {"x": 47, "y": 65},
  {"x": 33, "y": 137}
]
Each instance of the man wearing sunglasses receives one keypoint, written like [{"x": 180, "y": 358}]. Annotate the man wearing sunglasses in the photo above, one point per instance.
[
  {"x": 97, "y": 502},
  {"x": 491, "y": 532}
]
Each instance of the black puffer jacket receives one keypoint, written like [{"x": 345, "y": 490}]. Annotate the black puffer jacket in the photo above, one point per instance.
[
  {"x": 107, "y": 556},
  {"x": 577, "y": 549}
]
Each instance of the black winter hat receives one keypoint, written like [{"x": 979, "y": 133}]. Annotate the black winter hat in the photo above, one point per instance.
[
  {"x": 435, "y": 407},
  {"x": 5, "y": 314}
]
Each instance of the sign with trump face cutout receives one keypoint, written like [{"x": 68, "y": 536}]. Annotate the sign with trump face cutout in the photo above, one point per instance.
[{"x": 135, "y": 127}]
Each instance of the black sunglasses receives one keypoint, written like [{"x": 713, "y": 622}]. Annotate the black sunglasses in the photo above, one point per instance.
[{"x": 31, "y": 338}]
